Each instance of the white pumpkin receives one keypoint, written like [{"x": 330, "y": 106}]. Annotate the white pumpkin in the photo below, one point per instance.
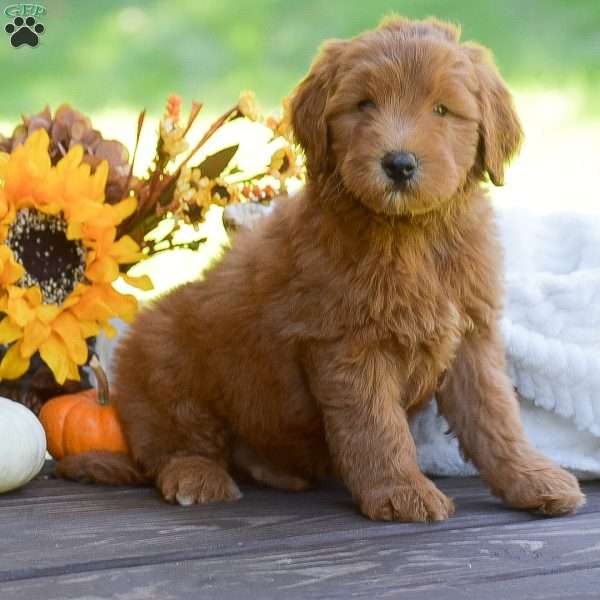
[{"x": 22, "y": 445}]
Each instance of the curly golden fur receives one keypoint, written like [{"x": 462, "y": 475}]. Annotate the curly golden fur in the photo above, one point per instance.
[{"x": 300, "y": 355}]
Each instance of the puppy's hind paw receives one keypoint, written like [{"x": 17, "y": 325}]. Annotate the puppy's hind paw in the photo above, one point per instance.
[{"x": 196, "y": 480}]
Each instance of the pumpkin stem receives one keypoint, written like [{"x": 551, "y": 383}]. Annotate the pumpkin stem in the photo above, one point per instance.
[{"x": 101, "y": 381}]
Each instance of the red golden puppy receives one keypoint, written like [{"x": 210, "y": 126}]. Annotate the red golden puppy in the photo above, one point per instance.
[{"x": 300, "y": 355}]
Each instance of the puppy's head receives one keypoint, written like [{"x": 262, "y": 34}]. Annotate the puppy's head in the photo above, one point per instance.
[{"x": 405, "y": 116}]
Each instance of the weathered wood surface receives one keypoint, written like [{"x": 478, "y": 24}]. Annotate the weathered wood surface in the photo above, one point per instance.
[{"x": 62, "y": 540}]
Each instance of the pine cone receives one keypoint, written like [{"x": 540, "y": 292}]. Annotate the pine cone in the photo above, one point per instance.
[
  {"x": 38, "y": 386},
  {"x": 68, "y": 128}
]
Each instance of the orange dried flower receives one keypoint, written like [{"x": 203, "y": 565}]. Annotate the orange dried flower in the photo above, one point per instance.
[{"x": 174, "y": 107}]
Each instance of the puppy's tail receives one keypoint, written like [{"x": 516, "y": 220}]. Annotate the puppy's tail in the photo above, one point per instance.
[{"x": 107, "y": 468}]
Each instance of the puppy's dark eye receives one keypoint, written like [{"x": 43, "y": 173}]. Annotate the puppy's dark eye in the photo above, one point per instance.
[
  {"x": 440, "y": 109},
  {"x": 365, "y": 104}
]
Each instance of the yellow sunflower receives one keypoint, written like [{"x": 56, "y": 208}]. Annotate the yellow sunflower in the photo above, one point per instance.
[
  {"x": 59, "y": 256},
  {"x": 196, "y": 194},
  {"x": 284, "y": 164}
]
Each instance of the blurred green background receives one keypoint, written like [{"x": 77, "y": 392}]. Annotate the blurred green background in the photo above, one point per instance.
[
  {"x": 111, "y": 58},
  {"x": 103, "y": 54}
]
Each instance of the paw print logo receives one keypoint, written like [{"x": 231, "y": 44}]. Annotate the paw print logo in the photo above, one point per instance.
[{"x": 24, "y": 31}]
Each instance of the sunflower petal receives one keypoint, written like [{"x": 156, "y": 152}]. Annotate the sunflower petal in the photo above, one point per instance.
[
  {"x": 143, "y": 282},
  {"x": 9, "y": 331},
  {"x": 51, "y": 208},
  {"x": 125, "y": 250},
  {"x": 54, "y": 353},
  {"x": 47, "y": 312},
  {"x": 73, "y": 372},
  {"x": 106, "y": 217},
  {"x": 34, "y": 296},
  {"x": 68, "y": 328},
  {"x": 122, "y": 305},
  {"x": 109, "y": 330},
  {"x": 83, "y": 210},
  {"x": 13, "y": 364},
  {"x": 89, "y": 328},
  {"x": 74, "y": 230},
  {"x": 10, "y": 270},
  {"x": 20, "y": 311},
  {"x": 35, "y": 333},
  {"x": 15, "y": 291},
  {"x": 92, "y": 307},
  {"x": 125, "y": 208},
  {"x": 71, "y": 159},
  {"x": 98, "y": 183},
  {"x": 5, "y": 254},
  {"x": 75, "y": 296},
  {"x": 101, "y": 238},
  {"x": 104, "y": 270}
]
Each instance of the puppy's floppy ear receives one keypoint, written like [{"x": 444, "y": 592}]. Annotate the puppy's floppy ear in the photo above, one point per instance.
[
  {"x": 500, "y": 130},
  {"x": 308, "y": 107}
]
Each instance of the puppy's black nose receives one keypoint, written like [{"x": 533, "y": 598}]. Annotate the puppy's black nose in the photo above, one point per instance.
[{"x": 399, "y": 166}]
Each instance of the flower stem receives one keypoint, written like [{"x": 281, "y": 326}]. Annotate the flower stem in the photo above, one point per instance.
[
  {"x": 211, "y": 130},
  {"x": 101, "y": 381},
  {"x": 140, "y": 123}
]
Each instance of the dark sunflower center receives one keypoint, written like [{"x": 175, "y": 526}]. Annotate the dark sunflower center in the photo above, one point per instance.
[
  {"x": 51, "y": 261},
  {"x": 221, "y": 191},
  {"x": 194, "y": 212},
  {"x": 285, "y": 164}
]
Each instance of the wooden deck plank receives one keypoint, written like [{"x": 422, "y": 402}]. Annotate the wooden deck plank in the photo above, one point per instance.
[
  {"x": 187, "y": 584},
  {"x": 56, "y": 529},
  {"x": 135, "y": 526},
  {"x": 132, "y": 524},
  {"x": 547, "y": 558}
]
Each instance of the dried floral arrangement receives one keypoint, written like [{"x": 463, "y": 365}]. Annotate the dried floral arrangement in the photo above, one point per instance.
[{"x": 74, "y": 219}]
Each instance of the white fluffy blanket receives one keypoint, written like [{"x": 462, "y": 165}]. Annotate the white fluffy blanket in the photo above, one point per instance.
[{"x": 551, "y": 327}]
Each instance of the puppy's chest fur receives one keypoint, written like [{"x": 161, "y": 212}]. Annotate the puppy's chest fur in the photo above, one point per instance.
[
  {"x": 401, "y": 298},
  {"x": 417, "y": 315},
  {"x": 427, "y": 330}
]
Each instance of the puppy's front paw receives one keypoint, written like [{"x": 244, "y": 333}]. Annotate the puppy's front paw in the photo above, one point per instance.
[
  {"x": 195, "y": 480},
  {"x": 407, "y": 501},
  {"x": 550, "y": 490}
]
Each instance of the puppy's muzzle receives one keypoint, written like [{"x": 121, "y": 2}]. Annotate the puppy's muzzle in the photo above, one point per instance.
[{"x": 400, "y": 167}]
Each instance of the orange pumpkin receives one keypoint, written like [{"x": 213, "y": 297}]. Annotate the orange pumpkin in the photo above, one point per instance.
[{"x": 83, "y": 422}]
